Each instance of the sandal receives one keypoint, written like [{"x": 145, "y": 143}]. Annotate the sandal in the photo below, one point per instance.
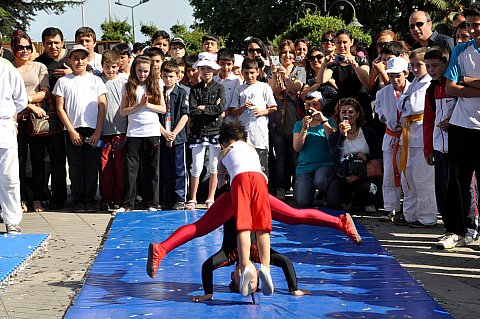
[
  {"x": 24, "y": 206},
  {"x": 191, "y": 205},
  {"x": 209, "y": 203},
  {"x": 37, "y": 206}
]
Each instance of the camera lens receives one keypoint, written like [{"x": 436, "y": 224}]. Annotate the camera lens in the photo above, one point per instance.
[{"x": 259, "y": 61}]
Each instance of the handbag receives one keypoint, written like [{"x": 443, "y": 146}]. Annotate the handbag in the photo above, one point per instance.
[
  {"x": 352, "y": 165},
  {"x": 47, "y": 125}
]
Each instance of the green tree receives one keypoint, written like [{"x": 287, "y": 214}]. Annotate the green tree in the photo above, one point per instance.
[
  {"x": 117, "y": 30},
  {"x": 312, "y": 26},
  {"x": 17, "y": 14},
  {"x": 148, "y": 29}
]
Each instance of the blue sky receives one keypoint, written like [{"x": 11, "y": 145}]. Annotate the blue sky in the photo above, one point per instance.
[{"x": 96, "y": 12}]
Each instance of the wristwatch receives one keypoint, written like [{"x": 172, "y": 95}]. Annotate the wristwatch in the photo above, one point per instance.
[
  {"x": 30, "y": 100},
  {"x": 461, "y": 81}
]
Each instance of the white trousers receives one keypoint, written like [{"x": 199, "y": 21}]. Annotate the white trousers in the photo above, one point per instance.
[
  {"x": 391, "y": 194},
  {"x": 198, "y": 156},
  {"x": 10, "y": 186},
  {"x": 419, "y": 202}
]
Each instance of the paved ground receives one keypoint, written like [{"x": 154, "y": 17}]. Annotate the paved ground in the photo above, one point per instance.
[{"x": 46, "y": 287}]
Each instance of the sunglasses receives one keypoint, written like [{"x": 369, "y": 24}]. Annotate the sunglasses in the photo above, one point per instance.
[
  {"x": 417, "y": 24},
  {"x": 257, "y": 50},
  {"x": 24, "y": 47},
  {"x": 325, "y": 40},
  {"x": 315, "y": 57}
]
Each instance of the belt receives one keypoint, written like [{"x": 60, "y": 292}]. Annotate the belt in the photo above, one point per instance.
[
  {"x": 404, "y": 155},
  {"x": 396, "y": 172}
]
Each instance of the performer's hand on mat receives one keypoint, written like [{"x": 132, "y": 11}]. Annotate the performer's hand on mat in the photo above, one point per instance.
[
  {"x": 301, "y": 292},
  {"x": 202, "y": 298}
]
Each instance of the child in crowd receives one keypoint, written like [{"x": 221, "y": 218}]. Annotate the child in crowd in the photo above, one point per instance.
[
  {"x": 161, "y": 40},
  {"x": 249, "y": 192},
  {"x": 157, "y": 56},
  {"x": 230, "y": 82},
  {"x": 210, "y": 43},
  {"x": 192, "y": 75},
  {"x": 417, "y": 177},
  {"x": 142, "y": 101},
  {"x": 253, "y": 102},
  {"x": 125, "y": 59},
  {"x": 385, "y": 107},
  {"x": 207, "y": 103},
  {"x": 438, "y": 110},
  {"x": 181, "y": 74},
  {"x": 87, "y": 37},
  {"x": 174, "y": 137},
  {"x": 177, "y": 48},
  {"x": 81, "y": 107},
  {"x": 112, "y": 160},
  {"x": 237, "y": 66}
]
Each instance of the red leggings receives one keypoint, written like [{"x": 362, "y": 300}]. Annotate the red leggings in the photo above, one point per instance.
[{"x": 222, "y": 210}]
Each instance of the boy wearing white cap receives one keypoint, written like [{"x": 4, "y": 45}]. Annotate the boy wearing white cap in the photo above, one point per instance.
[
  {"x": 207, "y": 103},
  {"x": 385, "y": 107},
  {"x": 417, "y": 177}
]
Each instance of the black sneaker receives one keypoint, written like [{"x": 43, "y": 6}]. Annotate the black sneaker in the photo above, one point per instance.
[
  {"x": 400, "y": 220},
  {"x": 90, "y": 207},
  {"x": 179, "y": 206},
  {"x": 104, "y": 206},
  {"x": 55, "y": 205},
  {"x": 387, "y": 216},
  {"x": 78, "y": 207}
]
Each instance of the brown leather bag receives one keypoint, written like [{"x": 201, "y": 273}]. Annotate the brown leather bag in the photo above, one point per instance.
[{"x": 48, "y": 125}]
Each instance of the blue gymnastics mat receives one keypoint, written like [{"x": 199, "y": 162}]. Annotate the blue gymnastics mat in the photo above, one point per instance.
[
  {"x": 16, "y": 251},
  {"x": 347, "y": 281}
]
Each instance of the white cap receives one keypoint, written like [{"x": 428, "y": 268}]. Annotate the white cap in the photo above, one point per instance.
[
  {"x": 397, "y": 65},
  {"x": 207, "y": 59},
  {"x": 316, "y": 95},
  {"x": 238, "y": 60}
]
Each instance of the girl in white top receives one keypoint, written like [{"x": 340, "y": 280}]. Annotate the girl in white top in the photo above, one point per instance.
[{"x": 142, "y": 101}]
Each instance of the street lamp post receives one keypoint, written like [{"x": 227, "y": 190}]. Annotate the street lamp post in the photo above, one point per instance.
[
  {"x": 302, "y": 6},
  {"x": 133, "y": 18},
  {"x": 354, "y": 22}
]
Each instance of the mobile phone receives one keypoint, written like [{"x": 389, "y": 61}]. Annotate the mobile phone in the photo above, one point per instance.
[
  {"x": 275, "y": 60},
  {"x": 345, "y": 121},
  {"x": 339, "y": 58},
  {"x": 345, "y": 118}
]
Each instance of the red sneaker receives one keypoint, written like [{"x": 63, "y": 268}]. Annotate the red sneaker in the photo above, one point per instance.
[
  {"x": 349, "y": 228},
  {"x": 155, "y": 255}
]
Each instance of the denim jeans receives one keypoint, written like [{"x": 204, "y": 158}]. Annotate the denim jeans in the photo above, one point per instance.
[{"x": 307, "y": 183}]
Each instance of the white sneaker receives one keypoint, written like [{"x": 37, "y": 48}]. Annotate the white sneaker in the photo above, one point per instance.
[
  {"x": 450, "y": 241},
  {"x": 13, "y": 229},
  {"x": 245, "y": 281},
  {"x": 469, "y": 239},
  {"x": 266, "y": 280}
]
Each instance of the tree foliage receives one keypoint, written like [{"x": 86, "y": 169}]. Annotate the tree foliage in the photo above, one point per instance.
[
  {"x": 17, "y": 14},
  {"x": 192, "y": 37},
  {"x": 117, "y": 30},
  {"x": 148, "y": 29},
  {"x": 312, "y": 26}
]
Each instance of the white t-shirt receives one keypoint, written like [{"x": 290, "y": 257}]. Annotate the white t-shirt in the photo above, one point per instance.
[
  {"x": 357, "y": 145},
  {"x": 80, "y": 95},
  {"x": 230, "y": 83},
  {"x": 465, "y": 61},
  {"x": 143, "y": 122},
  {"x": 240, "y": 159},
  {"x": 96, "y": 64},
  {"x": 261, "y": 95}
]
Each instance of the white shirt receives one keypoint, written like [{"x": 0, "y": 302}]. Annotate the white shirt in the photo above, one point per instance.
[
  {"x": 465, "y": 61},
  {"x": 230, "y": 83},
  {"x": 13, "y": 99},
  {"x": 240, "y": 159},
  {"x": 80, "y": 95},
  {"x": 386, "y": 108},
  {"x": 96, "y": 64},
  {"x": 143, "y": 122},
  {"x": 261, "y": 95},
  {"x": 357, "y": 145},
  {"x": 414, "y": 104}
]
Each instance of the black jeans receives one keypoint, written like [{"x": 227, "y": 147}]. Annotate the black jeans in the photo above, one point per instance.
[
  {"x": 341, "y": 192},
  {"x": 464, "y": 157},
  {"x": 145, "y": 150},
  {"x": 83, "y": 167},
  {"x": 55, "y": 146}
]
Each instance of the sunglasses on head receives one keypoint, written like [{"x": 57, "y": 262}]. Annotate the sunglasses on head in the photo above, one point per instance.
[
  {"x": 418, "y": 24},
  {"x": 318, "y": 57},
  {"x": 24, "y": 47},
  {"x": 257, "y": 50},
  {"x": 325, "y": 40}
]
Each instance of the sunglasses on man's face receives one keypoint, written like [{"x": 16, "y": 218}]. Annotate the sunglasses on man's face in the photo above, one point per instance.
[
  {"x": 325, "y": 40},
  {"x": 24, "y": 47},
  {"x": 317, "y": 57},
  {"x": 417, "y": 24},
  {"x": 257, "y": 50}
]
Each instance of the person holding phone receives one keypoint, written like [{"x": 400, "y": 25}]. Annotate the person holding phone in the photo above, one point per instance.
[
  {"x": 353, "y": 140},
  {"x": 350, "y": 73}
]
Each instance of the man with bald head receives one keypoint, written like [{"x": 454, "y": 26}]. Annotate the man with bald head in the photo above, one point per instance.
[{"x": 420, "y": 25}]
